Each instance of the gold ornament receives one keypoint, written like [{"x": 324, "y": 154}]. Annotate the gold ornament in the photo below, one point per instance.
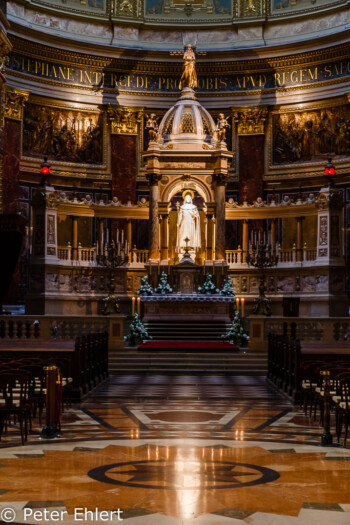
[
  {"x": 14, "y": 102},
  {"x": 124, "y": 121}
]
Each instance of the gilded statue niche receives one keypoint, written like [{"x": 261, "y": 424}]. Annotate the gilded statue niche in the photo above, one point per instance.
[
  {"x": 63, "y": 134},
  {"x": 311, "y": 135}
]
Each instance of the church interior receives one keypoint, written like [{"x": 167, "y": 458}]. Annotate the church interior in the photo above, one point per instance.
[{"x": 175, "y": 250}]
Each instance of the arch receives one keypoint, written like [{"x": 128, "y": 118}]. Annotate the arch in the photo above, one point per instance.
[{"x": 179, "y": 185}]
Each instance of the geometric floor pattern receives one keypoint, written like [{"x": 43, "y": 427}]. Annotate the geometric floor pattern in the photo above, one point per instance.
[{"x": 187, "y": 450}]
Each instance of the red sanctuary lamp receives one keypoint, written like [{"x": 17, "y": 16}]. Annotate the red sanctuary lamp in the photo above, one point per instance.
[
  {"x": 329, "y": 172},
  {"x": 45, "y": 170}
]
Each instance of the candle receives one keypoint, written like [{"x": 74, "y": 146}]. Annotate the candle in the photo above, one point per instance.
[
  {"x": 237, "y": 303},
  {"x": 138, "y": 305},
  {"x": 107, "y": 236},
  {"x": 133, "y": 305},
  {"x": 242, "y": 307},
  {"x": 117, "y": 235},
  {"x": 122, "y": 236}
]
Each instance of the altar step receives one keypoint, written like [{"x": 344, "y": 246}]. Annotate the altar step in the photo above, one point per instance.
[
  {"x": 186, "y": 331},
  {"x": 132, "y": 361}
]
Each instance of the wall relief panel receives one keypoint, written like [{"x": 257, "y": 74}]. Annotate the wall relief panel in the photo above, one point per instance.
[
  {"x": 311, "y": 135},
  {"x": 62, "y": 134}
]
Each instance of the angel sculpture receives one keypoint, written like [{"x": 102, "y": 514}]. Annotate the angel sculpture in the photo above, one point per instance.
[
  {"x": 152, "y": 126},
  {"x": 221, "y": 126}
]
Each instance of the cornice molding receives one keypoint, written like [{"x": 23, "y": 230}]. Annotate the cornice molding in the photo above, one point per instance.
[{"x": 173, "y": 67}]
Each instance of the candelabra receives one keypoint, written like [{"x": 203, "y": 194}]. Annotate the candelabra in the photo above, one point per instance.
[
  {"x": 261, "y": 256},
  {"x": 113, "y": 255}
]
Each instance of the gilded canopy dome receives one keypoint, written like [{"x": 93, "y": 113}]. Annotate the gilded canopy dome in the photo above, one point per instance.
[{"x": 187, "y": 125}]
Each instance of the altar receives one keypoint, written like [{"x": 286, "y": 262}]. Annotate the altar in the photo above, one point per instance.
[{"x": 187, "y": 307}]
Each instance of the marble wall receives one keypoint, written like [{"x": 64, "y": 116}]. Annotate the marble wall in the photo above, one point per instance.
[
  {"x": 124, "y": 167},
  {"x": 251, "y": 166},
  {"x": 11, "y": 165}
]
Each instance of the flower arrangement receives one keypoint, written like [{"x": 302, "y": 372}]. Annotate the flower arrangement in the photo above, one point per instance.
[
  {"x": 145, "y": 288},
  {"x": 227, "y": 289},
  {"x": 163, "y": 285},
  {"x": 208, "y": 286},
  {"x": 236, "y": 333},
  {"x": 137, "y": 332}
]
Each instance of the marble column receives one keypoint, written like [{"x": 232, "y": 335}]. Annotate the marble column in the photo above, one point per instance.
[
  {"x": 300, "y": 238},
  {"x": 129, "y": 232},
  {"x": 273, "y": 235},
  {"x": 123, "y": 167},
  {"x": 11, "y": 162},
  {"x": 13, "y": 101},
  {"x": 75, "y": 237},
  {"x": 219, "y": 183},
  {"x": 124, "y": 127},
  {"x": 101, "y": 235},
  {"x": 245, "y": 240},
  {"x": 153, "y": 180},
  {"x": 11, "y": 115},
  {"x": 165, "y": 238}
]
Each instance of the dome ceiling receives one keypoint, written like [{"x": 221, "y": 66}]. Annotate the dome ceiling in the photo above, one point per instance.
[
  {"x": 166, "y": 25},
  {"x": 189, "y": 11}
]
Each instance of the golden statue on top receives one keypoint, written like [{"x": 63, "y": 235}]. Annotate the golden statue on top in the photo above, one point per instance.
[{"x": 189, "y": 75}]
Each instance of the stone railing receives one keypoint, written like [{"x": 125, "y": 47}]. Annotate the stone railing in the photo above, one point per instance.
[
  {"x": 139, "y": 257},
  {"x": 286, "y": 257},
  {"x": 80, "y": 254},
  {"x": 323, "y": 329},
  {"x": 234, "y": 257},
  {"x": 88, "y": 256},
  {"x": 48, "y": 327}
]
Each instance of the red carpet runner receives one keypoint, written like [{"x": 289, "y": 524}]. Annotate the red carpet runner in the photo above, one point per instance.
[{"x": 221, "y": 346}]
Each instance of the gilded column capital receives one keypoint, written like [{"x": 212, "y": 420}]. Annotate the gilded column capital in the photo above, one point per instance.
[
  {"x": 153, "y": 178},
  {"x": 124, "y": 121},
  {"x": 250, "y": 120},
  {"x": 14, "y": 103},
  {"x": 219, "y": 179}
]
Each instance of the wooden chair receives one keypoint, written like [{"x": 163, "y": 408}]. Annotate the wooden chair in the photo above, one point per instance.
[{"x": 14, "y": 387}]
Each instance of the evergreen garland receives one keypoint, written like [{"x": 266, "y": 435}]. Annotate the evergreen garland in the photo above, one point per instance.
[
  {"x": 137, "y": 332},
  {"x": 236, "y": 333},
  {"x": 145, "y": 288},
  {"x": 208, "y": 286},
  {"x": 227, "y": 289},
  {"x": 163, "y": 285}
]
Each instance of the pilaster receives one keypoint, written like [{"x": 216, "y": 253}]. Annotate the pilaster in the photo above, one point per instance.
[{"x": 153, "y": 179}]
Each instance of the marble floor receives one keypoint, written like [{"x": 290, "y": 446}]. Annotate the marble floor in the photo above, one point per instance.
[{"x": 171, "y": 450}]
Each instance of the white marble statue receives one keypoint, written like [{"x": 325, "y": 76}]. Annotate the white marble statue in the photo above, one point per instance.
[{"x": 188, "y": 225}]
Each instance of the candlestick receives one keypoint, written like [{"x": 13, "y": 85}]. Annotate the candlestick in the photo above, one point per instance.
[
  {"x": 133, "y": 306},
  {"x": 237, "y": 303},
  {"x": 138, "y": 305},
  {"x": 242, "y": 307}
]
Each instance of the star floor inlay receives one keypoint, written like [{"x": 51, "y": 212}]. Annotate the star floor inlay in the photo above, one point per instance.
[{"x": 224, "y": 457}]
